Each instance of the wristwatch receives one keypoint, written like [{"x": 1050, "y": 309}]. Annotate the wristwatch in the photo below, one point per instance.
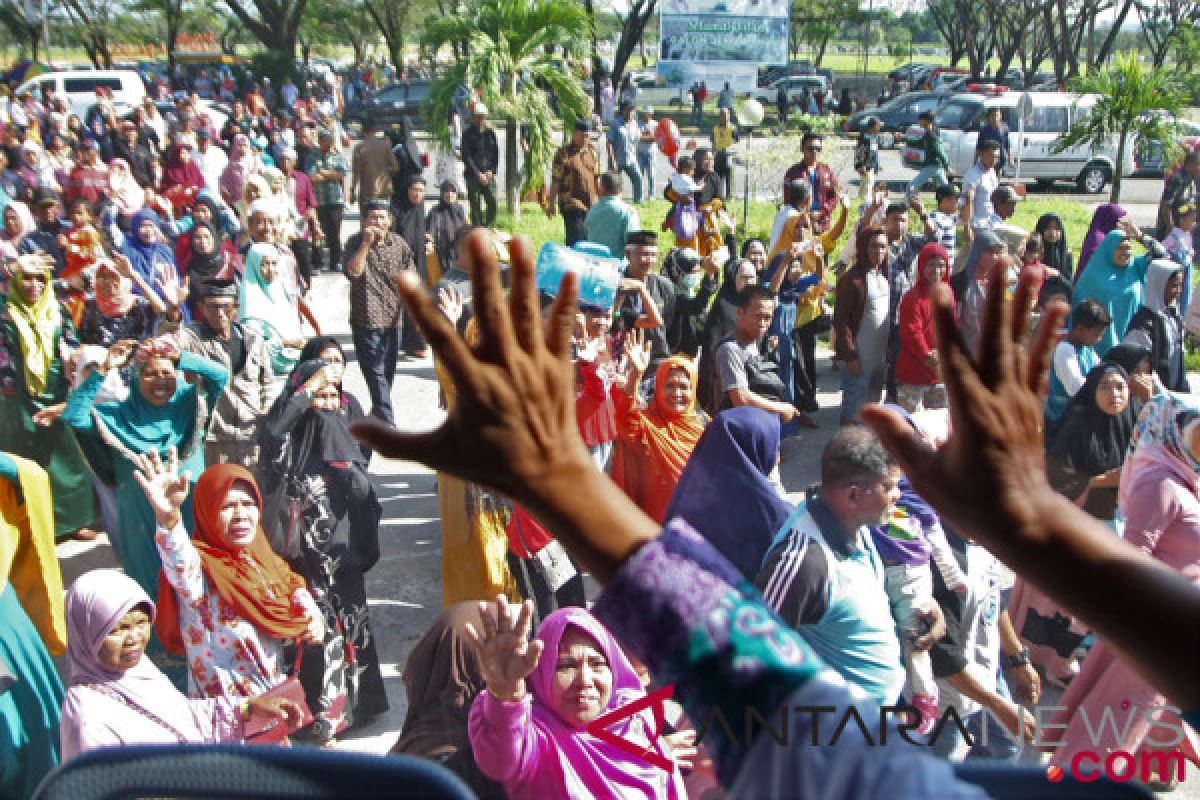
[{"x": 1021, "y": 659}]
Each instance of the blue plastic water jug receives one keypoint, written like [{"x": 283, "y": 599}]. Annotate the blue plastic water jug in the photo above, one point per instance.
[{"x": 598, "y": 276}]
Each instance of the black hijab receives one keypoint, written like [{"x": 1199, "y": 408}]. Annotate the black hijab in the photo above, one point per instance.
[
  {"x": 711, "y": 185},
  {"x": 319, "y": 437},
  {"x": 1128, "y": 355},
  {"x": 217, "y": 226},
  {"x": 203, "y": 268},
  {"x": 410, "y": 223},
  {"x": 443, "y": 223},
  {"x": 1091, "y": 442},
  {"x": 1056, "y": 255}
]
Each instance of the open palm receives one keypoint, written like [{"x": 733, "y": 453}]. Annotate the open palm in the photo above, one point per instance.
[
  {"x": 505, "y": 651},
  {"x": 165, "y": 488}
]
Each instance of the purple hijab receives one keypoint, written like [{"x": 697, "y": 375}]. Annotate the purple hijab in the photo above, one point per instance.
[
  {"x": 587, "y": 762},
  {"x": 724, "y": 493},
  {"x": 1104, "y": 221}
]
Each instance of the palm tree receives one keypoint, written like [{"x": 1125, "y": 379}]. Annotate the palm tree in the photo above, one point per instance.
[
  {"x": 511, "y": 62},
  {"x": 1131, "y": 97}
]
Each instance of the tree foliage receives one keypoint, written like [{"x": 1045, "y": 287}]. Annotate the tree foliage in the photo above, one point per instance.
[
  {"x": 275, "y": 23},
  {"x": 1128, "y": 92},
  {"x": 1163, "y": 23},
  {"x": 510, "y": 62}
]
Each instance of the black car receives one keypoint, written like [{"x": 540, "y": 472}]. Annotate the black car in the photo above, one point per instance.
[
  {"x": 386, "y": 106},
  {"x": 896, "y": 115}
]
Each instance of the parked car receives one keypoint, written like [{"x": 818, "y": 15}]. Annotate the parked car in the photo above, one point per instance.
[
  {"x": 78, "y": 88},
  {"x": 896, "y": 115},
  {"x": 1050, "y": 116},
  {"x": 795, "y": 86},
  {"x": 386, "y": 106},
  {"x": 1149, "y": 156},
  {"x": 905, "y": 72}
]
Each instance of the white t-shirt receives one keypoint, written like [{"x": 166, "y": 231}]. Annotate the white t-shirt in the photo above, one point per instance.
[
  {"x": 979, "y": 628},
  {"x": 978, "y": 184},
  {"x": 1067, "y": 369}
]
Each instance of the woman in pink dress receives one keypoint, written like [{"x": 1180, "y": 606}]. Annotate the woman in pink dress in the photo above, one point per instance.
[{"x": 1159, "y": 494}]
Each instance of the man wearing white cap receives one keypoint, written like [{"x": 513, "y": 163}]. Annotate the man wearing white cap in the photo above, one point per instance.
[{"x": 481, "y": 158}]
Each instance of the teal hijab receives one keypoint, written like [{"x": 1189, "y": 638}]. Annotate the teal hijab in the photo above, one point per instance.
[
  {"x": 268, "y": 306},
  {"x": 1119, "y": 289},
  {"x": 140, "y": 426}
]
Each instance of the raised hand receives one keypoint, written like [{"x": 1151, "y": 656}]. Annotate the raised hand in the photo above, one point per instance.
[
  {"x": 165, "y": 487},
  {"x": 637, "y": 351},
  {"x": 993, "y": 465},
  {"x": 681, "y": 748},
  {"x": 450, "y": 303},
  {"x": 173, "y": 292},
  {"x": 505, "y": 652},
  {"x": 118, "y": 354}
]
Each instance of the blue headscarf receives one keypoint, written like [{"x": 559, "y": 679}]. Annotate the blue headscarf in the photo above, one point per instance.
[
  {"x": 144, "y": 256},
  {"x": 724, "y": 493},
  {"x": 1118, "y": 289}
]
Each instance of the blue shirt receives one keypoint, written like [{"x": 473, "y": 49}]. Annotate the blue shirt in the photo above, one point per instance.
[{"x": 609, "y": 222}]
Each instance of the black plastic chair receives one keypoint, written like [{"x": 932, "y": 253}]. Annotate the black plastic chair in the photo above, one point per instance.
[{"x": 234, "y": 772}]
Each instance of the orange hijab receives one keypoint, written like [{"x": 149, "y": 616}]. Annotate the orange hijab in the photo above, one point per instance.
[
  {"x": 654, "y": 445},
  {"x": 256, "y": 583}
]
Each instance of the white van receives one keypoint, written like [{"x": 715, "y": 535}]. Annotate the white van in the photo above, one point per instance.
[
  {"x": 78, "y": 87},
  {"x": 1048, "y": 116}
]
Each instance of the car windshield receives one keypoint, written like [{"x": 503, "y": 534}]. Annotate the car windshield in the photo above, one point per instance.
[{"x": 957, "y": 114}]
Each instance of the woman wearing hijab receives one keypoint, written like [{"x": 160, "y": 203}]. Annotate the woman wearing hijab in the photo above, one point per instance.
[
  {"x": 18, "y": 221},
  {"x": 410, "y": 160},
  {"x": 442, "y": 678},
  {"x": 735, "y": 457},
  {"x": 722, "y": 317},
  {"x": 208, "y": 210},
  {"x": 654, "y": 443},
  {"x": 181, "y": 177},
  {"x": 409, "y": 221},
  {"x": 1055, "y": 253},
  {"x": 35, "y": 329},
  {"x": 918, "y": 377},
  {"x": 1160, "y": 497},
  {"x": 443, "y": 223},
  {"x": 243, "y": 162},
  {"x": 1117, "y": 281},
  {"x": 1159, "y": 322},
  {"x": 1133, "y": 356},
  {"x": 306, "y": 440},
  {"x": 162, "y": 411},
  {"x": 269, "y": 305},
  {"x": 115, "y": 311},
  {"x": 128, "y": 198},
  {"x": 117, "y": 696},
  {"x": 225, "y": 599},
  {"x": 1104, "y": 221},
  {"x": 528, "y": 727},
  {"x": 31, "y": 606},
  {"x": 151, "y": 257},
  {"x": 1085, "y": 457}
]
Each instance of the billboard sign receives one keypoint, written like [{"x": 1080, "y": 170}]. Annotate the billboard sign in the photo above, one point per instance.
[{"x": 721, "y": 40}]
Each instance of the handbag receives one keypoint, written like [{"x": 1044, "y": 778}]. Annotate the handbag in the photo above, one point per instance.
[
  {"x": 551, "y": 562},
  {"x": 259, "y": 730}
]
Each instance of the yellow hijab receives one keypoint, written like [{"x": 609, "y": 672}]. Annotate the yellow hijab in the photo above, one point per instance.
[
  {"x": 37, "y": 325},
  {"x": 27, "y": 558}
]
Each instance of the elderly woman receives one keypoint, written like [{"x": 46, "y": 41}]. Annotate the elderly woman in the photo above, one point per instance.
[
  {"x": 35, "y": 330},
  {"x": 115, "y": 311},
  {"x": 271, "y": 305},
  {"x": 225, "y": 598},
  {"x": 147, "y": 250},
  {"x": 18, "y": 221},
  {"x": 306, "y": 439},
  {"x": 118, "y": 697},
  {"x": 162, "y": 411},
  {"x": 528, "y": 727},
  {"x": 654, "y": 443}
]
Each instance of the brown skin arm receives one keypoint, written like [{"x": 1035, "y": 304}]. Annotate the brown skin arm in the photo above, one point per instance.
[
  {"x": 514, "y": 427},
  {"x": 989, "y": 482}
]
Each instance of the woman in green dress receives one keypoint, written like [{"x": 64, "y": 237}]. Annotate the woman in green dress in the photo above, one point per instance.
[
  {"x": 162, "y": 411},
  {"x": 35, "y": 334}
]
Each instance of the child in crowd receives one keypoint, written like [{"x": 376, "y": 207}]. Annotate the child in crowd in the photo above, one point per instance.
[
  {"x": 943, "y": 220},
  {"x": 1074, "y": 358},
  {"x": 911, "y": 539},
  {"x": 866, "y": 158},
  {"x": 596, "y": 372},
  {"x": 1057, "y": 257},
  {"x": 82, "y": 247},
  {"x": 1181, "y": 248},
  {"x": 1031, "y": 256}
]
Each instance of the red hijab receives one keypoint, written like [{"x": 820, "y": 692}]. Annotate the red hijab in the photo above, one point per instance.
[
  {"x": 176, "y": 173},
  {"x": 255, "y": 582}
]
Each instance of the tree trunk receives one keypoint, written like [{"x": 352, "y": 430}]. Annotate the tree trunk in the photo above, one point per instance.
[
  {"x": 172, "y": 33},
  {"x": 511, "y": 169},
  {"x": 1114, "y": 196}
]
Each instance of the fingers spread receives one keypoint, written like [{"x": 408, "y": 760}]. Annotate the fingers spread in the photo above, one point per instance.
[
  {"x": 952, "y": 355},
  {"x": 995, "y": 343},
  {"x": 449, "y": 347},
  {"x": 1028, "y": 284},
  {"x": 899, "y": 437},
  {"x": 1042, "y": 349},
  {"x": 562, "y": 315}
]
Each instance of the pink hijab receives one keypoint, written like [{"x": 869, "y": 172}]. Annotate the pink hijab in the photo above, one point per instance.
[
  {"x": 242, "y": 163},
  {"x": 587, "y": 762}
]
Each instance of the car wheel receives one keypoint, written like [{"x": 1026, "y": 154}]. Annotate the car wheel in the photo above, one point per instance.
[{"x": 1093, "y": 179}]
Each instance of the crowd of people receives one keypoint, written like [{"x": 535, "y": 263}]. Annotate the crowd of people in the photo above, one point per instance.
[{"x": 164, "y": 379}]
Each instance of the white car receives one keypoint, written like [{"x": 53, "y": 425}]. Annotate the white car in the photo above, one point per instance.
[
  {"x": 78, "y": 88},
  {"x": 795, "y": 85},
  {"x": 1048, "y": 117}
]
